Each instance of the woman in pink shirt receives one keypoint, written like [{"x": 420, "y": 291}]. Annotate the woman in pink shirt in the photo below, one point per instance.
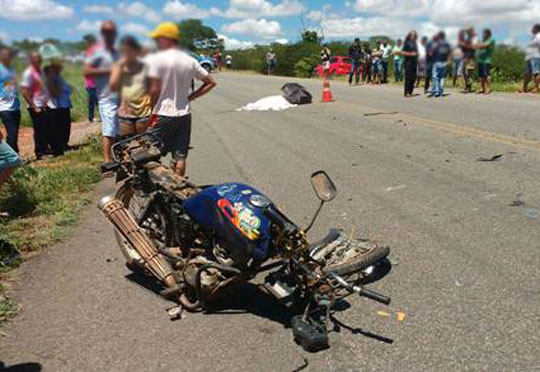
[
  {"x": 33, "y": 91},
  {"x": 89, "y": 82}
]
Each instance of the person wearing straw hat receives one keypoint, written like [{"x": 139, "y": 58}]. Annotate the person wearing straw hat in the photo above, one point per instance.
[{"x": 171, "y": 72}]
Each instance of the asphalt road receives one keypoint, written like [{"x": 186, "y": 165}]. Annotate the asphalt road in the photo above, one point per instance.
[{"x": 466, "y": 264}]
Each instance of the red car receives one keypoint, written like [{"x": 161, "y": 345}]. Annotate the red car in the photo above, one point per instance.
[{"x": 339, "y": 65}]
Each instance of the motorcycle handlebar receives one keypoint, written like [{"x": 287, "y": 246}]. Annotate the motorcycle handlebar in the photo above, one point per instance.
[
  {"x": 372, "y": 295},
  {"x": 368, "y": 293}
]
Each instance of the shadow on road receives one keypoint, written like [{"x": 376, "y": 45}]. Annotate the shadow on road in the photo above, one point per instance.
[
  {"x": 22, "y": 367},
  {"x": 250, "y": 298}
]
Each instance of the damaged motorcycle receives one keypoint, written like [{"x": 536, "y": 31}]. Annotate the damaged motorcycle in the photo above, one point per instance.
[{"x": 198, "y": 240}]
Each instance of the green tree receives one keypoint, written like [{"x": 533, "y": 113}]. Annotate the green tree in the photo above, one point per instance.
[
  {"x": 26, "y": 45},
  {"x": 310, "y": 37},
  {"x": 193, "y": 32}
]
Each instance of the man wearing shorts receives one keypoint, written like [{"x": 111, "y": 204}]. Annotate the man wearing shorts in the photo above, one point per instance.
[
  {"x": 485, "y": 53},
  {"x": 10, "y": 112},
  {"x": 170, "y": 73},
  {"x": 98, "y": 65},
  {"x": 8, "y": 161},
  {"x": 532, "y": 61}
]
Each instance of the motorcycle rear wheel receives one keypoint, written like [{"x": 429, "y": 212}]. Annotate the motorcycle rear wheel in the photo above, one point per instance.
[
  {"x": 134, "y": 203},
  {"x": 344, "y": 256}
]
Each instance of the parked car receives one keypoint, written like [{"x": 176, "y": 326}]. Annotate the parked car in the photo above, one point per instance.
[
  {"x": 339, "y": 65},
  {"x": 209, "y": 64}
]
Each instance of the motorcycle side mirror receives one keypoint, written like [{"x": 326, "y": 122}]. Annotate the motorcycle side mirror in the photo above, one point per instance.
[
  {"x": 323, "y": 186},
  {"x": 324, "y": 189}
]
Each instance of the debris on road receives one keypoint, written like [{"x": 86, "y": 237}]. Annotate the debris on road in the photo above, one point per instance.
[
  {"x": 399, "y": 187},
  {"x": 493, "y": 158},
  {"x": 271, "y": 103},
  {"x": 304, "y": 365},
  {"x": 517, "y": 202},
  {"x": 401, "y": 315},
  {"x": 383, "y": 313},
  {"x": 380, "y": 113},
  {"x": 530, "y": 213},
  {"x": 176, "y": 312}
]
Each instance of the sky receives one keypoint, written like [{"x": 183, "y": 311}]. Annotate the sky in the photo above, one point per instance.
[{"x": 243, "y": 23}]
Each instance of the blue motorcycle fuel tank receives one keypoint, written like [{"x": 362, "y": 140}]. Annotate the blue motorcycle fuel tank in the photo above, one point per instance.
[{"x": 234, "y": 212}]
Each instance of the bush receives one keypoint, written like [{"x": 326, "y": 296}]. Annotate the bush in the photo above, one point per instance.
[
  {"x": 508, "y": 63},
  {"x": 300, "y": 59},
  {"x": 305, "y": 66}
]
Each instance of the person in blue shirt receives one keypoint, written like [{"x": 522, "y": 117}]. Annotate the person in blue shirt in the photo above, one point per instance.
[
  {"x": 441, "y": 55},
  {"x": 10, "y": 107},
  {"x": 355, "y": 55}
]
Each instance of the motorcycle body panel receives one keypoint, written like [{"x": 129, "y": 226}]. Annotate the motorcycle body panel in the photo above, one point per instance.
[{"x": 233, "y": 211}]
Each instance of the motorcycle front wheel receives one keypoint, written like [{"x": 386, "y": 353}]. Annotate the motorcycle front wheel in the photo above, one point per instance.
[{"x": 344, "y": 256}]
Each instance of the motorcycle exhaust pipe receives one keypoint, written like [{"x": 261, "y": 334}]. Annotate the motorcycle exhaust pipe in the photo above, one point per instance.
[{"x": 128, "y": 228}]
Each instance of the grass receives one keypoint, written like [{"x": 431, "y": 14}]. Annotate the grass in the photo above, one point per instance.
[
  {"x": 72, "y": 73},
  {"x": 8, "y": 308},
  {"x": 43, "y": 201}
]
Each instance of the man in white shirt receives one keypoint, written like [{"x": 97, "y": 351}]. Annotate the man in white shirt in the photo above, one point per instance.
[
  {"x": 170, "y": 73},
  {"x": 532, "y": 60},
  {"x": 387, "y": 50}
]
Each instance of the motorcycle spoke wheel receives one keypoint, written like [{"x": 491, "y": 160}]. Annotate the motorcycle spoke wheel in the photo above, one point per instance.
[
  {"x": 345, "y": 256},
  {"x": 136, "y": 204}
]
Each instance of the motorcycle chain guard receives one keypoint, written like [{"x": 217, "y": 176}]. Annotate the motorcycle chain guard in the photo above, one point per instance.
[{"x": 309, "y": 334}]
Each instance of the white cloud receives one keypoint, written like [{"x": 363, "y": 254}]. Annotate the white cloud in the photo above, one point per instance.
[
  {"x": 260, "y": 8},
  {"x": 232, "y": 43},
  {"x": 315, "y": 15},
  {"x": 282, "y": 41},
  {"x": 97, "y": 8},
  {"x": 28, "y": 10},
  {"x": 261, "y": 28},
  {"x": 363, "y": 27},
  {"x": 89, "y": 26},
  {"x": 181, "y": 10},
  {"x": 138, "y": 9},
  {"x": 4, "y": 36},
  {"x": 453, "y": 13},
  {"x": 401, "y": 8},
  {"x": 135, "y": 28},
  {"x": 134, "y": 9}
]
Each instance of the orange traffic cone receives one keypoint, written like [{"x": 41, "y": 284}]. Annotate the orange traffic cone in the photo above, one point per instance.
[{"x": 326, "y": 93}]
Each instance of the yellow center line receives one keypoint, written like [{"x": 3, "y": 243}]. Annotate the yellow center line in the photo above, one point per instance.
[{"x": 454, "y": 128}]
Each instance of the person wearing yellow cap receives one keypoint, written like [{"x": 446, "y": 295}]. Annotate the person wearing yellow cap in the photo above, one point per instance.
[{"x": 171, "y": 72}]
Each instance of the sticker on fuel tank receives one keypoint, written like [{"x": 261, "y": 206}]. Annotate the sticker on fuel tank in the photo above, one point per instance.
[{"x": 241, "y": 217}]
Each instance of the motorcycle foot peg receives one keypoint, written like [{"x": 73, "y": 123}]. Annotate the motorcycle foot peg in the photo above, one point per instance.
[
  {"x": 311, "y": 336},
  {"x": 171, "y": 292}
]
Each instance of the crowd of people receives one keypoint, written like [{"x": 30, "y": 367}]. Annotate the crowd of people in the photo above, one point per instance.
[
  {"x": 48, "y": 101},
  {"x": 133, "y": 91},
  {"x": 137, "y": 92},
  {"x": 429, "y": 61}
]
